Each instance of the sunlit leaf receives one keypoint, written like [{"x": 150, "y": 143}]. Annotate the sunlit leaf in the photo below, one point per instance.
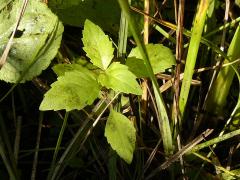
[
  {"x": 161, "y": 58},
  {"x": 119, "y": 78},
  {"x": 120, "y": 134},
  {"x": 73, "y": 90},
  {"x": 97, "y": 45}
]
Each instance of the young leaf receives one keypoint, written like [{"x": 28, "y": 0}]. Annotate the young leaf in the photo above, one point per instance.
[
  {"x": 97, "y": 45},
  {"x": 120, "y": 134},
  {"x": 161, "y": 58},
  {"x": 35, "y": 44},
  {"x": 119, "y": 78},
  {"x": 73, "y": 90}
]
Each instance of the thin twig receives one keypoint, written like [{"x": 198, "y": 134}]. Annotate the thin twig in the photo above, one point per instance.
[
  {"x": 17, "y": 138},
  {"x": 145, "y": 39},
  {"x": 169, "y": 83},
  {"x": 183, "y": 151}
]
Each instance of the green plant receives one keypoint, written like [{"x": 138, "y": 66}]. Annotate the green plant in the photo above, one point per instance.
[
  {"x": 99, "y": 121},
  {"x": 79, "y": 85}
]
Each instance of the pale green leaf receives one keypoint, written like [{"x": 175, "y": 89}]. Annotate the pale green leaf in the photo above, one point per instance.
[
  {"x": 35, "y": 44},
  {"x": 97, "y": 45},
  {"x": 161, "y": 58},
  {"x": 119, "y": 78},
  {"x": 73, "y": 90},
  {"x": 105, "y": 13},
  {"x": 121, "y": 135}
]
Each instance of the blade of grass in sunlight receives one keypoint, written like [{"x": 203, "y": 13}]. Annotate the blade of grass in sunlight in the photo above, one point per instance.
[
  {"x": 215, "y": 140},
  {"x": 192, "y": 54},
  {"x": 163, "y": 119}
]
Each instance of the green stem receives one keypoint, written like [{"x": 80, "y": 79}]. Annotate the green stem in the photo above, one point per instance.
[
  {"x": 215, "y": 140},
  {"x": 220, "y": 89},
  {"x": 59, "y": 141},
  {"x": 163, "y": 117}
]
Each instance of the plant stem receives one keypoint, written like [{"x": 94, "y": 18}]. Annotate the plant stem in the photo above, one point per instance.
[
  {"x": 221, "y": 86},
  {"x": 215, "y": 140},
  {"x": 163, "y": 120},
  {"x": 59, "y": 141}
]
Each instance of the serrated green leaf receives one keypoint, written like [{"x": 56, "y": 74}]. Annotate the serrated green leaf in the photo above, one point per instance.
[
  {"x": 161, "y": 58},
  {"x": 119, "y": 78},
  {"x": 120, "y": 134},
  {"x": 73, "y": 90},
  {"x": 36, "y": 42},
  {"x": 97, "y": 45}
]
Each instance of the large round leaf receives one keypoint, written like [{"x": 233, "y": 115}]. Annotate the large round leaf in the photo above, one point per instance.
[{"x": 35, "y": 44}]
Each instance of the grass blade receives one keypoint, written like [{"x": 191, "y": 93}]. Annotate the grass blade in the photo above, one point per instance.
[
  {"x": 59, "y": 141},
  {"x": 163, "y": 117},
  {"x": 221, "y": 86},
  {"x": 192, "y": 53}
]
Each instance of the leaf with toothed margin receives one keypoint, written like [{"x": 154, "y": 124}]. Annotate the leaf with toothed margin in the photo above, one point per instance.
[
  {"x": 97, "y": 45},
  {"x": 121, "y": 135},
  {"x": 73, "y": 90}
]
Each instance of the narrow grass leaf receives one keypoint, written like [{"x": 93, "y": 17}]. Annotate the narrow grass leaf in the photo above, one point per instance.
[
  {"x": 163, "y": 119},
  {"x": 192, "y": 53},
  {"x": 215, "y": 140},
  {"x": 218, "y": 94}
]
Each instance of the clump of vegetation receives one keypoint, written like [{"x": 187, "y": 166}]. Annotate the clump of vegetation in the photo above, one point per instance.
[{"x": 119, "y": 89}]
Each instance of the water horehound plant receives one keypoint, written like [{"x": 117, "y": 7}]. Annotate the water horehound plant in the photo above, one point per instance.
[{"x": 78, "y": 86}]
